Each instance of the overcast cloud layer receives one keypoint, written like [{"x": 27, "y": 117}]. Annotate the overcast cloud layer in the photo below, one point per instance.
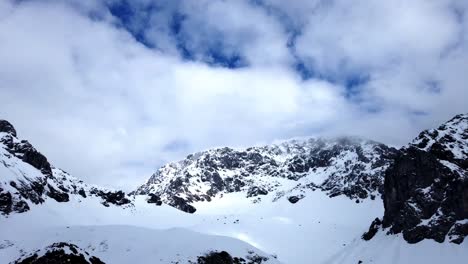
[{"x": 110, "y": 90}]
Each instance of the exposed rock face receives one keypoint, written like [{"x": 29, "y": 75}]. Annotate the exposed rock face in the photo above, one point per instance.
[
  {"x": 373, "y": 229},
  {"x": 8, "y": 204},
  {"x": 426, "y": 188},
  {"x": 59, "y": 196},
  {"x": 224, "y": 257},
  {"x": 182, "y": 204},
  {"x": 216, "y": 258},
  {"x": 294, "y": 199},
  {"x": 153, "y": 198},
  {"x": 256, "y": 191},
  {"x": 111, "y": 197},
  {"x": 60, "y": 253},
  {"x": 6, "y": 127},
  {"x": 342, "y": 166},
  {"x": 28, "y": 178},
  {"x": 25, "y": 151}
]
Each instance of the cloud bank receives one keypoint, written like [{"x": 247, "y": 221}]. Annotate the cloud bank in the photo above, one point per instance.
[{"x": 110, "y": 90}]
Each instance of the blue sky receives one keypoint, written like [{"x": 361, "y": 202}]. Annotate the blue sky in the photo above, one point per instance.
[{"x": 129, "y": 85}]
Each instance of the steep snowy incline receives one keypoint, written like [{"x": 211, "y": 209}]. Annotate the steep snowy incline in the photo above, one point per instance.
[{"x": 343, "y": 166}]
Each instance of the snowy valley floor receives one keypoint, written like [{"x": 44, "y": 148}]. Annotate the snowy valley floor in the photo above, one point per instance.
[{"x": 317, "y": 229}]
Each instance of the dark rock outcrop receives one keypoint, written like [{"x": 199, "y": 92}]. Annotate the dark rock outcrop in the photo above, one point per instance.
[
  {"x": 29, "y": 186},
  {"x": 60, "y": 253},
  {"x": 294, "y": 199},
  {"x": 374, "y": 227},
  {"x": 23, "y": 149},
  {"x": 27, "y": 153},
  {"x": 153, "y": 198},
  {"x": 256, "y": 191},
  {"x": 224, "y": 257},
  {"x": 8, "y": 204},
  {"x": 6, "y": 127},
  {"x": 426, "y": 188},
  {"x": 57, "y": 195},
  {"x": 216, "y": 258},
  {"x": 111, "y": 197},
  {"x": 458, "y": 232},
  {"x": 182, "y": 205}
]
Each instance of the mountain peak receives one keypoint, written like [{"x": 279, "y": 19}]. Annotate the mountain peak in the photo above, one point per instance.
[
  {"x": 426, "y": 188},
  {"x": 448, "y": 142},
  {"x": 342, "y": 166},
  {"x": 28, "y": 178},
  {"x": 7, "y": 127}
]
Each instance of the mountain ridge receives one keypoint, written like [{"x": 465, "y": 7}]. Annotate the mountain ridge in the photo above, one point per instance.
[
  {"x": 423, "y": 185},
  {"x": 347, "y": 166}
]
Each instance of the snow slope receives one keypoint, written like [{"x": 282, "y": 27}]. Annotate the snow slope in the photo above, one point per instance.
[
  {"x": 291, "y": 232},
  {"x": 385, "y": 249},
  {"x": 317, "y": 229},
  {"x": 125, "y": 244}
]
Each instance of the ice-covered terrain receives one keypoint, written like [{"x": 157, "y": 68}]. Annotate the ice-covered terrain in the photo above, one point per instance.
[
  {"x": 290, "y": 232},
  {"x": 298, "y": 202}
]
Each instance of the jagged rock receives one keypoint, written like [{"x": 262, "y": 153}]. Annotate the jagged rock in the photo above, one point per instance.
[
  {"x": 60, "y": 253},
  {"x": 57, "y": 195},
  {"x": 82, "y": 193},
  {"x": 32, "y": 191},
  {"x": 111, "y": 197},
  {"x": 216, "y": 258},
  {"x": 413, "y": 169},
  {"x": 374, "y": 227},
  {"x": 458, "y": 232},
  {"x": 182, "y": 205},
  {"x": 6, "y": 127},
  {"x": 8, "y": 204},
  {"x": 426, "y": 188},
  {"x": 224, "y": 257},
  {"x": 30, "y": 155},
  {"x": 256, "y": 191},
  {"x": 33, "y": 185},
  {"x": 295, "y": 199},
  {"x": 154, "y": 199},
  {"x": 349, "y": 166},
  {"x": 23, "y": 149}
]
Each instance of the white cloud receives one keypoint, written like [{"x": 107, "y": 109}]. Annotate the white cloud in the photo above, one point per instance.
[
  {"x": 110, "y": 110},
  {"x": 367, "y": 33}
]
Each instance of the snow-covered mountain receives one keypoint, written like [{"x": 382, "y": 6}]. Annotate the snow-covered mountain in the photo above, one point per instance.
[
  {"x": 300, "y": 202},
  {"x": 28, "y": 178},
  {"x": 343, "y": 166},
  {"x": 48, "y": 216}
]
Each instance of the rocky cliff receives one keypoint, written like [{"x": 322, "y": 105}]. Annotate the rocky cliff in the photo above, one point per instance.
[{"x": 426, "y": 187}]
